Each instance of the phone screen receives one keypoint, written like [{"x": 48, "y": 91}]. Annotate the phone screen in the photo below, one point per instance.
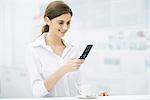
[{"x": 86, "y": 52}]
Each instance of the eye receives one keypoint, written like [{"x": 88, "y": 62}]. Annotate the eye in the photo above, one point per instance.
[
  {"x": 68, "y": 23},
  {"x": 61, "y": 23}
]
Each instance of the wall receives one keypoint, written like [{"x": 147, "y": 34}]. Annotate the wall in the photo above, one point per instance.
[{"x": 119, "y": 32}]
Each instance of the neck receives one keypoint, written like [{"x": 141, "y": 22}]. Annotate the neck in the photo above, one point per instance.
[{"x": 52, "y": 40}]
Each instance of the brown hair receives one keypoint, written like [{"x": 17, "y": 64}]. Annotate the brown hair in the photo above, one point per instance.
[{"x": 55, "y": 9}]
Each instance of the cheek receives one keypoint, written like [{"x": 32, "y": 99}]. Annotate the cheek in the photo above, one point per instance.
[
  {"x": 55, "y": 27},
  {"x": 68, "y": 26}
]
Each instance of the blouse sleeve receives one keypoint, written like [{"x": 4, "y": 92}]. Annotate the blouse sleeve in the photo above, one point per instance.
[{"x": 33, "y": 64}]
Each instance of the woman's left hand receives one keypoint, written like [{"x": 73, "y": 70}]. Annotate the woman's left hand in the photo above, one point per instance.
[{"x": 103, "y": 94}]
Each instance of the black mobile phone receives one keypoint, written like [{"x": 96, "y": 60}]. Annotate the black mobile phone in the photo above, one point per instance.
[{"x": 86, "y": 52}]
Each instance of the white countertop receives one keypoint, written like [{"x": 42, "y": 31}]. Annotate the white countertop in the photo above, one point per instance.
[{"x": 127, "y": 97}]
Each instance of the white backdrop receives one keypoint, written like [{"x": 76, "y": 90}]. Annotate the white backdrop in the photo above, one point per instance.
[{"x": 119, "y": 31}]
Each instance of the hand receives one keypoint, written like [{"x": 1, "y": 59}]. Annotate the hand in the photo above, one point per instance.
[
  {"x": 104, "y": 94},
  {"x": 73, "y": 64}
]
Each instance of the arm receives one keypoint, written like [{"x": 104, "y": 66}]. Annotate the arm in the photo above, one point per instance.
[
  {"x": 33, "y": 64},
  {"x": 72, "y": 65},
  {"x": 52, "y": 80},
  {"x": 40, "y": 87}
]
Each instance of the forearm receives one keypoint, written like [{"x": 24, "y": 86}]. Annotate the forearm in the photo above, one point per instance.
[
  {"x": 53, "y": 79},
  {"x": 70, "y": 66}
]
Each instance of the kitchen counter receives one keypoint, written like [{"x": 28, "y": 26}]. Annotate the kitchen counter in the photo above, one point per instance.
[{"x": 127, "y": 97}]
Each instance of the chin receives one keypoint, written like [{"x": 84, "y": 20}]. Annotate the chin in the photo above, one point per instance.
[{"x": 62, "y": 34}]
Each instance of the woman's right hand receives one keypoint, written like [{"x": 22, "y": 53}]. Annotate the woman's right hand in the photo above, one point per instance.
[{"x": 72, "y": 64}]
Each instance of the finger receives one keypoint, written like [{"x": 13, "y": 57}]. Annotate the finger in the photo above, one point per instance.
[
  {"x": 76, "y": 68},
  {"x": 106, "y": 94},
  {"x": 101, "y": 94},
  {"x": 72, "y": 58},
  {"x": 77, "y": 65},
  {"x": 80, "y": 61},
  {"x": 77, "y": 62}
]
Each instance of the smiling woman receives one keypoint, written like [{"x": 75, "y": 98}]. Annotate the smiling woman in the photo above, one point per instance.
[
  {"x": 52, "y": 62},
  {"x": 54, "y": 10}
]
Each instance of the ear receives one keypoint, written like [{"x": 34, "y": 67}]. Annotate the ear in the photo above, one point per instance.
[{"x": 47, "y": 20}]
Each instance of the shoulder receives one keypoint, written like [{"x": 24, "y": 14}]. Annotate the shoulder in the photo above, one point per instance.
[
  {"x": 31, "y": 47},
  {"x": 38, "y": 41},
  {"x": 31, "y": 51},
  {"x": 35, "y": 43}
]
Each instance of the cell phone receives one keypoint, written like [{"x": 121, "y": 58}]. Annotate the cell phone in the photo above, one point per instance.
[{"x": 86, "y": 52}]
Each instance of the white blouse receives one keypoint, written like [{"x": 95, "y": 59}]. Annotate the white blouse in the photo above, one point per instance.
[{"x": 43, "y": 62}]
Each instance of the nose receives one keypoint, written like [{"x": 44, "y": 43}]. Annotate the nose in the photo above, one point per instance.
[{"x": 65, "y": 27}]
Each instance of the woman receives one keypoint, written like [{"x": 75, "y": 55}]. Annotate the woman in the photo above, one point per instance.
[{"x": 53, "y": 63}]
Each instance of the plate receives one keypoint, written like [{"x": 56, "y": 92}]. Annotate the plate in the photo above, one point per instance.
[{"x": 85, "y": 97}]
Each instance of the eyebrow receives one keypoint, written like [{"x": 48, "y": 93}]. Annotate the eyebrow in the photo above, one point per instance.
[{"x": 63, "y": 20}]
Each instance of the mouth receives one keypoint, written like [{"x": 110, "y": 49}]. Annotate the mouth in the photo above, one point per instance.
[{"x": 62, "y": 32}]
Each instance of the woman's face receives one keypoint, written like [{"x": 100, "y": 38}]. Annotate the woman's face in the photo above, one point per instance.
[{"x": 60, "y": 25}]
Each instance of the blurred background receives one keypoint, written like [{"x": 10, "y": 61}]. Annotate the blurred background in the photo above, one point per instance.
[{"x": 119, "y": 30}]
